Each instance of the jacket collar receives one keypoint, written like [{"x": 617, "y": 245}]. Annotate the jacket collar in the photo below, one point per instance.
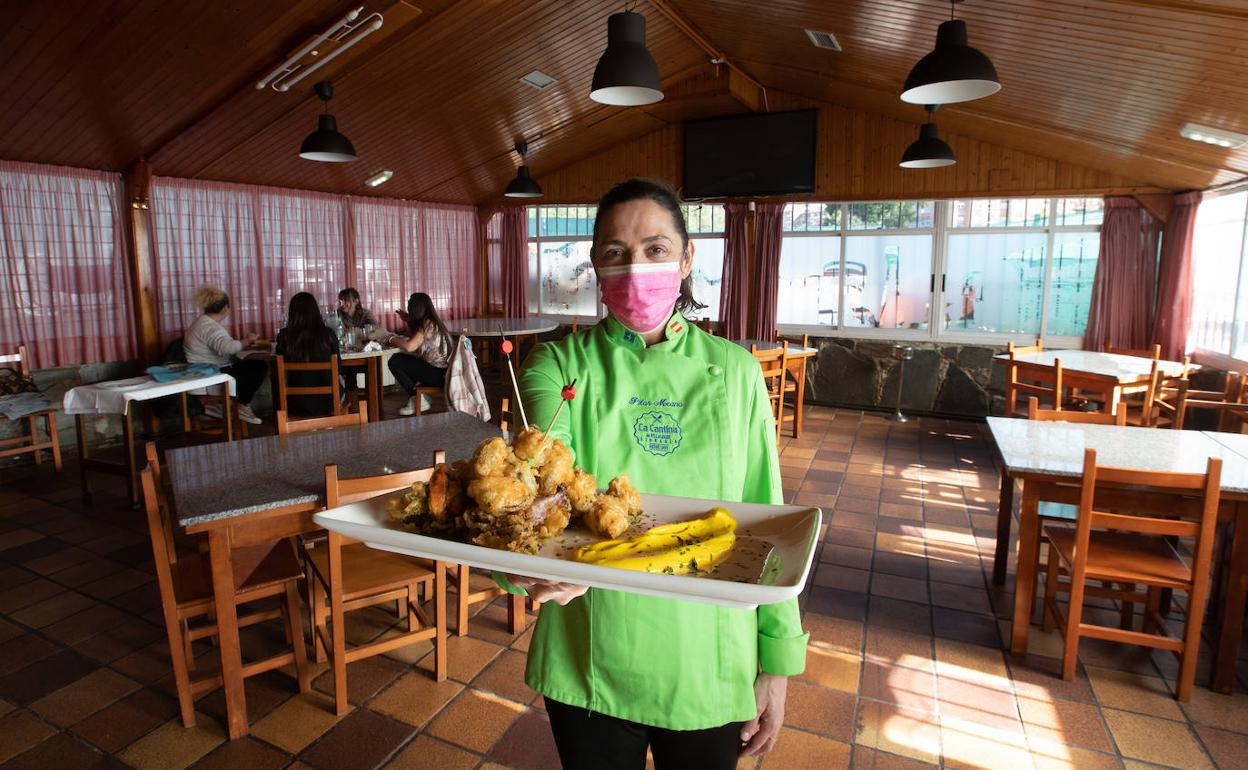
[{"x": 677, "y": 327}]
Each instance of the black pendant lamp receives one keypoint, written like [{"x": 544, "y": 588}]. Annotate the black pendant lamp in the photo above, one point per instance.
[
  {"x": 953, "y": 72},
  {"x": 929, "y": 150},
  {"x": 325, "y": 143},
  {"x": 626, "y": 75},
  {"x": 523, "y": 186}
]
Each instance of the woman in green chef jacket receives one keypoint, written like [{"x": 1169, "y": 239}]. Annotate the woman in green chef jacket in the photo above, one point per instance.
[{"x": 697, "y": 683}]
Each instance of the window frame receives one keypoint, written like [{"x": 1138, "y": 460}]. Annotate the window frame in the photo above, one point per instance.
[
  {"x": 1219, "y": 358},
  {"x": 940, "y": 231}
]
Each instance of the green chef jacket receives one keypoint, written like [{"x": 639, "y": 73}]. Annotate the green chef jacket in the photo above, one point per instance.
[{"x": 688, "y": 416}]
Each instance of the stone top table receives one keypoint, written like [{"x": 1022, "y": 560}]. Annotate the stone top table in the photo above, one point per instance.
[
  {"x": 220, "y": 481},
  {"x": 1125, "y": 370},
  {"x": 501, "y": 327},
  {"x": 796, "y": 368}
]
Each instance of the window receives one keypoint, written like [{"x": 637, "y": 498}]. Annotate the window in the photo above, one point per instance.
[
  {"x": 1219, "y": 311},
  {"x": 1009, "y": 267},
  {"x": 562, "y": 281}
]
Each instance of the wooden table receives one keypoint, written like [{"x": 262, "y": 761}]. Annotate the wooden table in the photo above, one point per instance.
[
  {"x": 1047, "y": 456},
  {"x": 798, "y": 356},
  {"x": 348, "y": 362},
  {"x": 117, "y": 397},
  {"x": 516, "y": 329},
  {"x": 1088, "y": 370},
  {"x": 248, "y": 492}
]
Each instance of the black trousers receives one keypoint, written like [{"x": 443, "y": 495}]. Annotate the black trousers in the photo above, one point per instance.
[
  {"x": 410, "y": 371},
  {"x": 591, "y": 741},
  {"x": 248, "y": 376}
]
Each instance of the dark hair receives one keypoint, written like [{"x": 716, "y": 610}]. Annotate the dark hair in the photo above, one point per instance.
[
  {"x": 358, "y": 315},
  {"x": 420, "y": 311},
  {"x": 648, "y": 189},
  {"x": 218, "y": 306},
  {"x": 307, "y": 337}
]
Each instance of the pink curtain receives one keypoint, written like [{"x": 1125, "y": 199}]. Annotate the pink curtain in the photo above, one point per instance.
[
  {"x": 402, "y": 247},
  {"x": 768, "y": 237},
  {"x": 261, "y": 245},
  {"x": 1174, "y": 291},
  {"x": 734, "y": 298},
  {"x": 514, "y": 255},
  {"x": 1126, "y": 273},
  {"x": 63, "y": 267}
]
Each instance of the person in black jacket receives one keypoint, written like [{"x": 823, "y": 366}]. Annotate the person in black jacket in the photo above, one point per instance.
[{"x": 306, "y": 339}]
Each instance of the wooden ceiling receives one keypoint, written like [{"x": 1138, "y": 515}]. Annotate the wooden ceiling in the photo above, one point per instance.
[{"x": 434, "y": 95}]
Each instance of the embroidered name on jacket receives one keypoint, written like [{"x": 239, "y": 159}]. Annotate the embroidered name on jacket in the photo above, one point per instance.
[{"x": 658, "y": 433}]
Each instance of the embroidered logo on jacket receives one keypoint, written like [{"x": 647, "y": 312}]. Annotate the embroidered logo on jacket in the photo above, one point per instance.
[{"x": 657, "y": 433}]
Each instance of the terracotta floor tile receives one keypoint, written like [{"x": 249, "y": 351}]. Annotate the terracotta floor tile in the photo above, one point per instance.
[
  {"x": 796, "y": 750},
  {"x": 116, "y": 583},
  {"x": 966, "y": 627},
  {"x": 831, "y": 668},
  {"x": 967, "y": 704},
  {"x": 1052, "y": 756},
  {"x": 117, "y": 726},
  {"x": 415, "y": 698},
  {"x": 118, "y": 642},
  {"x": 895, "y": 729},
  {"x": 845, "y": 578},
  {"x": 297, "y": 722},
  {"x": 870, "y": 759},
  {"x": 960, "y": 597},
  {"x": 1064, "y": 722},
  {"x": 909, "y": 687},
  {"x": 900, "y": 647},
  {"x": 173, "y": 746},
  {"x": 475, "y": 720},
  {"x": 897, "y": 587},
  {"x": 820, "y": 710},
  {"x": 365, "y": 678},
  {"x": 1156, "y": 740},
  {"x": 54, "y": 608},
  {"x": 1041, "y": 679},
  {"x": 850, "y": 605},
  {"x": 44, "y": 676},
  {"x": 527, "y": 745},
  {"x": 836, "y": 634},
  {"x": 975, "y": 747},
  {"x": 363, "y": 739},
  {"x": 1225, "y": 712},
  {"x": 427, "y": 753},
  {"x": 75, "y": 702},
  {"x": 894, "y": 613},
  {"x": 1132, "y": 692},
  {"x": 246, "y": 752},
  {"x": 1229, "y": 750},
  {"x": 19, "y": 536},
  {"x": 86, "y": 624},
  {"x": 850, "y": 538},
  {"x": 34, "y": 592},
  {"x": 21, "y": 651},
  {"x": 466, "y": 657},
  {"x": 19, "y": 731},
  {"x": 911, "y": 565},
  {"x": 62, "y": 751},
  {"x": 505, "y": 677},
  {"x": 264, "y": 693}
]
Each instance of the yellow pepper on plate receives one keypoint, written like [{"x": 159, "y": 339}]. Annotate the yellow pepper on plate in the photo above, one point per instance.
[{"x": 679, "y": 548}]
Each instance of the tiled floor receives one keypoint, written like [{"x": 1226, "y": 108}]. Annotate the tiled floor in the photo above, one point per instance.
[{"x": 905, "y": 664}]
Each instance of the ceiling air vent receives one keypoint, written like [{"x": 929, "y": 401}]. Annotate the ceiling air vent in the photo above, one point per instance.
[
  {"x": 539, "y": 80},
  {"x": 823, "y": 40}
]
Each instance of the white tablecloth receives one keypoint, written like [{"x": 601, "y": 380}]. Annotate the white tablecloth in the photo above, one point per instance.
[{"x": 114, "y": 397}]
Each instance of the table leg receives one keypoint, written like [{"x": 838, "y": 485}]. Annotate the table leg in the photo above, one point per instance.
[
  {"x": 1025, "y": 577},
  {"x": 516, "y": 619},
  {"x": 227, "y": 411},
  {"x": 80, "y": 428},
  {"x": 800, "y": 398},
  {"x": 439, "y": 619},
  {"x": 186, "y": 413},
  {"x": 227, "y": 631},
  {"x": 1113, "y": 399},
  {"x": 1005, "y": 515},
  {"x": 372, "y": 377},
  {"x": 1231, "y": 628},
  {"x": 132, "y": 473}
]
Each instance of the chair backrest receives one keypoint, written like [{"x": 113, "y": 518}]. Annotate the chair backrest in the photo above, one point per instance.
[
  {"x": 339, "y": 491},
  {"x": 19, "y": 358},
  {"x": 1153, "y": 352},
  {"x": 286, "y": 426},
  {"x": 1205, "y": 487},
  {"x": 329, "y": 367},
  {"x": 1034, "y": 412},
  {"x": 1013, "y": 349},
  {"x": 774, "y": 362},
  {"x": 504, "y": 415},
  {"x": 796, "y": 341},
  {"x": 1023, "y": 378},
  {"x": 159, "y": 528}
]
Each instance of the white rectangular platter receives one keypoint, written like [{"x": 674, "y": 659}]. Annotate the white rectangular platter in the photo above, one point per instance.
[{"x": 787, "y": 532}]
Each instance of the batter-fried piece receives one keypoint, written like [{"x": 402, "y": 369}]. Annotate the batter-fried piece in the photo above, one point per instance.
[
  {"x": 512, "y": 531},
  {"x": 551, "y": 514},
  {"x": 582, "y": 490},
  {"x": 501, "y": 494},
  {"x": 412, "y": 505},
  {"x": 608, "y": 517},
  {"x": 531, "y": 444},
  {"x": 556, "y": 470},
  {"x": 491, "y": 458},
  {"x": 626, "y": 493},
  {"x": 446, "y": 493}
]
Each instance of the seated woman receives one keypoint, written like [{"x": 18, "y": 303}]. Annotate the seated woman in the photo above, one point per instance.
[
  {"x": 351, "y": 312},
  {"x": 306, "y": 339},
  {"x": 208, "y": 342},
  {"x": 426, "y": 352}
]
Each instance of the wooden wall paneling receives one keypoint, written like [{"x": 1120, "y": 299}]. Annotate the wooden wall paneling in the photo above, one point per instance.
[{"x": 142, "y": 261}]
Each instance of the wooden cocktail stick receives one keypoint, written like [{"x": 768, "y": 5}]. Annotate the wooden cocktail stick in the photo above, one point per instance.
[
  {"x": 568, "y": 393},
  {"x": 506, "y": 346}
]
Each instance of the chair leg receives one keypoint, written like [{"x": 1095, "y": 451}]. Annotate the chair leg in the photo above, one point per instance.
[
  {"x": 1151, "y": 607},
  {"x": 186, "y": 642},
  {"x": 56, "y": 441},
  {"x": 33, "y": 427},
  {"x": 1074, "y": 616},
  {"x": 1126, "y": 619},
  {"x": 317, "y": 611},
  {"x": 413, "y": 601},
  {"x": 294, "y": 624},
  {"x": 439, "y": 621},
  {"x": 516, "y": 619},
  {"x": 178, "y": 644},
  {"x": 1051, "y": 574},
  {"x": 337, "y": 621},
  {"x": 463, "y": 587}
]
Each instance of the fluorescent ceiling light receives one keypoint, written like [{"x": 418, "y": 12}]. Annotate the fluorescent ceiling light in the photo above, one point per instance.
[
  {"x": 1214, "y": 136},
  {"x": 380, "y": 178}
]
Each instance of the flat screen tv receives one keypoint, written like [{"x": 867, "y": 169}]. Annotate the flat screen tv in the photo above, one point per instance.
[{"x": 764, "y": 154}]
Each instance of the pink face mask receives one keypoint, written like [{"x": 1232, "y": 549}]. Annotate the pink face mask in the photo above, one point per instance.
[{"x": 640, "y": 296}]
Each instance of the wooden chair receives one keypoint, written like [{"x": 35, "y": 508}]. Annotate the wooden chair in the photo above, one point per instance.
[
  {"x": 287, "y": 426},
  {"x": 22, "y": 382},
  {"x": 331, "y": 391},
  {"x": 1047, "y": 509},
  {"x": 185, "y": 583},
  {"x": 802, "y": 341},
  {"x": 227, "y": 426},
  {"x": 354, "y": 576},
  {"x": 423, "y": 390},
  {"x": 1131, "y": 549},
  {"x": 1230, "y": 403},
  {"x": 1024, "y": 378},
  {"x": 1167, "y": 397},
  {"x": 775, "y": 365},
  {"x": 706, "y": 325},
  {"x": 1153, "y": 352}
]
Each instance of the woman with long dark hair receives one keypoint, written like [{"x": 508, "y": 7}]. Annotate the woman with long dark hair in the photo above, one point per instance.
[
  {"x": 699, "y": 684},
  {"x": 306, "y": 339},
  {"x": 426, "y": 351},
  {"x": 352, "y": 312}
]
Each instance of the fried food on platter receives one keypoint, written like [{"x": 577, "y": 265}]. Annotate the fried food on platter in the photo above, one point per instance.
[
  {"x": 446, "y": 493},
  {"x": 530, "y": 444},
  {"x": 582, "y": 490},
  {"x": 608, "y": 517},
  {"x": 556, "y": 470},
  {"x": 626, "y": 493},
  {"x": 491, "y": 458},
  {"x": 501, "y": 494}
]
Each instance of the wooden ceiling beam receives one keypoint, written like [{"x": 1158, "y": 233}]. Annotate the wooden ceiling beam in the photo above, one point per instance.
[
  {"x": 746, "y": 88},
  {"x": 1229, "y": 9}
]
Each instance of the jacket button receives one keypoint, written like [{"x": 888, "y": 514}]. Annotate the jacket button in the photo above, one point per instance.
[{"x": 714, "y": 371}]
